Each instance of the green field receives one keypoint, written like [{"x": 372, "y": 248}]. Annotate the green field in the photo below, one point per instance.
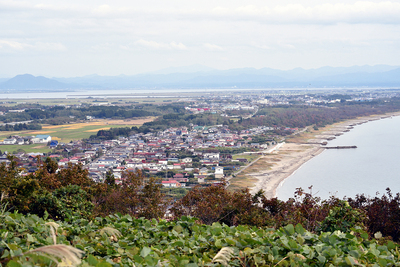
[
  {"x": 249, "y": 157},
  {"x": 42, "y": 148},
  {"x": 65, "y": 134}
]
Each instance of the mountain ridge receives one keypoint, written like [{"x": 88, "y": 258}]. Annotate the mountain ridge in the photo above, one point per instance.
[{"x": 194, "y": 77}]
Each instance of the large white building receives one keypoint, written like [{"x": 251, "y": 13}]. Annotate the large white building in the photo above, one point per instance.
[{"x": 41, "y": 138}]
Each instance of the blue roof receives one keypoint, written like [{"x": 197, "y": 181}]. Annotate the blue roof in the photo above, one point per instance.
[{"x": 42, "y": 136}]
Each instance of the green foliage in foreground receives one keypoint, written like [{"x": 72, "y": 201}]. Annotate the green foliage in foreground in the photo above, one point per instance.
[{"x": 124, "y": 241}]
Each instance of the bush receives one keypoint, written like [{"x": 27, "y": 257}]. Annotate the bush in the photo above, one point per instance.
[{"x": 342, "y": 217}]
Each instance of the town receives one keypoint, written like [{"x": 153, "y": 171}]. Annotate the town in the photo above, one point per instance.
[{"x": 182, "y": 156}]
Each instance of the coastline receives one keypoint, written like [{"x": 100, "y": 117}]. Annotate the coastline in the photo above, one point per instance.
[
  {"x": 290, "y": 157},
  {"x": 285, "y": 162}
]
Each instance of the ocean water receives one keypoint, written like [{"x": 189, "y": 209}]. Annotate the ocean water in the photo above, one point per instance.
[{"x": 370, "y": 168}]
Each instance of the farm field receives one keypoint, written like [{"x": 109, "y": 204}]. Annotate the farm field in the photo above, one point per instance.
[
  {"x": 42, "y": 148},
  {"x": 76, "y": 131}
]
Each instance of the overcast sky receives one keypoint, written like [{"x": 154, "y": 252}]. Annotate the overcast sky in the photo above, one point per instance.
[{"x": 76, "y": 38}]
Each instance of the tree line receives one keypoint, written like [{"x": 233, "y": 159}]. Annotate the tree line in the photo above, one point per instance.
[{"x": 21, "y": 127}]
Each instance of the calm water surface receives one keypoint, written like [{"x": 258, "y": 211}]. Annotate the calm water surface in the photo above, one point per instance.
[
  {"x": 372, "y": 167},
  {"x": 114, "y": 93}
]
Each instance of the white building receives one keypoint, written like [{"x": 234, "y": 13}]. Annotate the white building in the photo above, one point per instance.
[
  {"x": 219, "y": 172},
  {"x": 41, "y": 138},
  {"x": 9, "y": 141}
]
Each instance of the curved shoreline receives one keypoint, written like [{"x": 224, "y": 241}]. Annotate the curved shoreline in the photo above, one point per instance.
[{"x": 291, "y": 156}]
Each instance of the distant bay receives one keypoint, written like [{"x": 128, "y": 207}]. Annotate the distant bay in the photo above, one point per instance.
[
  {"x": 118, "y": 93},
  {"x": 370, "y": 168}
]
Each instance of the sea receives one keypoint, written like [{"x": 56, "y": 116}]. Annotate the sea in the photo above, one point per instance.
[{"x": 368, "y": 169}]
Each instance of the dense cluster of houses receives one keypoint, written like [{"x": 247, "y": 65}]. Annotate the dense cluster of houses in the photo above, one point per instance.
[
  {"x": 181, "y": 151},
  {"x": 183, "y": 154}
]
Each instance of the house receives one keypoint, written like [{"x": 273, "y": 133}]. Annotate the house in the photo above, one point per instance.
[
  {"x": 63, "y": 162},
  {"x": 20, "y": 141},
  {"x": 172, "y": 183},
  {"x": 41, "y": 138},
  {"x": 203, "y": 171},
  {"x": 187, "y": 160},
  {"x": 4, "y": 160},
  {"x": 178, "y": 175},
  {"x": 53, "y": 144},
  {"x": 201, "y": 179},
  {"x": 177, "y": 166},
  {"x": 9, "y": 141},
  {"x": 219, "y": 172}
]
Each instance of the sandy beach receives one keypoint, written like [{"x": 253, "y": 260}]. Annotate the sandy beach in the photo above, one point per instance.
[{"x": 285, "y": 160}]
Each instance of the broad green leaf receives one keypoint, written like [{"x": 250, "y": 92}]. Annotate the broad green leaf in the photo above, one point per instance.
[
  {"x": 5, "y": 254},
  {"x": 354, "y": 254},
  {"x": 230, "y": 241},
  {"x": 349, "y": 260},
  {"x": 300, "y": 240},
  {"x": 13, "y": 263},
  {"x": 289, "y": 229},
  {"x": 218, "y": 243},
  {"x": 299, "y": 229},
  {"x": 248, "y": 251},
  {"x": 30, "y": 238},
  {"x": 150, "y": 260},
  {"x": 103, "y": 264},
  {"x": 391, "y": 245},
  {"x": 321, "y": 259},
  {"x": 92, "y": 260},
  {"x": 364, "y": 235},
  {"x": 382, "y": 262},
  {"x": 178, "y": 229},
  {"x": 145, "y": 251}
]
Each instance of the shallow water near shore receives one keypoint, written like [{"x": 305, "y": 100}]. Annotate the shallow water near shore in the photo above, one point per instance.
[{"x": 370, "y": 168}]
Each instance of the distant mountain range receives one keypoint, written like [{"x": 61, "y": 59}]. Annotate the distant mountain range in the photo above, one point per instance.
[
  {"x": 198, "y": 76},
  {"x": 27, "y": 81}
]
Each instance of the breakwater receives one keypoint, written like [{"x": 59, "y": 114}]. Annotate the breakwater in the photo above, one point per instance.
[{"x": 340, "y": 147}]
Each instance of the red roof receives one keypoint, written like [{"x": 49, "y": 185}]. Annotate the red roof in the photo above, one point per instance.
[{"x": 170, "y": 182}]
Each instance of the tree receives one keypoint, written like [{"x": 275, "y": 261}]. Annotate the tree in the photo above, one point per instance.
[
  {"x": 135, "y": 196},
  {"x": 216, "y": 204}
]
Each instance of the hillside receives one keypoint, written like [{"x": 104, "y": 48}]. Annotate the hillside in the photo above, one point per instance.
[{"x": 27, "y": 81}]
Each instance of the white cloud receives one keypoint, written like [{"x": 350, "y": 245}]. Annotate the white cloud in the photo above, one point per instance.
[
  {"x": 107, "y": 10},
  {"x": 178, "y": 46},
  {"x": 49, "y": 46},
  {"x": 357, "y": 12},
  {"x": 102, "y": 47},
  {"x": 12, "y": 44},
  {"x": 212, "y": 47},
  {"x": 289, "y": 32},
  {"x": 39, "y": 46},
  {"x": 289, "y": 46},
  {"x": 261, "y": 46},
  {"x": 157, "y": 45}
]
